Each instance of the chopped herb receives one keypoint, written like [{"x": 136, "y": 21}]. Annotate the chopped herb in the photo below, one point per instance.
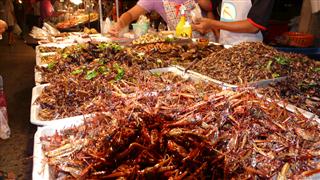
[
  {"x": 51, "y": 65},
  {"x": 157, "y": 74},
  {"x": 91, "y": 74},
  {"x": 78, "y": 71},
  {"x": 116, "y": 47},
  {"x": 282, "y": 60},
  {"x": 102, "y": 46},
  {"x": 103, "y": 70},
  {"x": 120, "y": 72},
  {"x": 65, "y": 55},
  {"x": 275, "y": 75}
]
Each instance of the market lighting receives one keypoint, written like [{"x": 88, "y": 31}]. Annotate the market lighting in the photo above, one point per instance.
[{"x": 76, "y": 2}]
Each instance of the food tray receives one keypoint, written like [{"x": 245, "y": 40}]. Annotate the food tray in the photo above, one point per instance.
[
  {"x": 292, "y": 108},
  {"x": 37, "y": 77},
  {"x": 40, "y": 167},
  {"x": 34, "y": 110},
  {"x": 179, "y": 72},
  {"x": 40, "y": 55},
  {"x": 52, "y": 45},
  {"x": 206, "y": 78},
  {"x": 256, "y": 84}
]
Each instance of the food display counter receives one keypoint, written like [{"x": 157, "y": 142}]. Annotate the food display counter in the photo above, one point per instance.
[{"x": 171, "y": 109}]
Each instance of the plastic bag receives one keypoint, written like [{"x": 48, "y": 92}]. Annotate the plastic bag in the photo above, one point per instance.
[
  {"x": 16, "y": 29},
  {"x": 106, "y": 25},
  {"x": 4, "y": 127},
  {"x": 196, "y": 13}
]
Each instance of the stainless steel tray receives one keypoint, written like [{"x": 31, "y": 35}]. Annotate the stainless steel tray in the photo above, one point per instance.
[
  {"x": 186, "y": 75},
  {"x": 206, "y": 78},
  {"x": 255, "y": 84},
  {"x": 292, "y": 108}
]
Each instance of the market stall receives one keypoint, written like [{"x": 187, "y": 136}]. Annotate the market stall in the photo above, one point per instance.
[
  {"x": 162, "y": 107},
  {"x": 165, "y": 105}
]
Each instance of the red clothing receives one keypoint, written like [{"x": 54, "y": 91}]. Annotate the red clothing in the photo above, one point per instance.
[{"x": 46, "y": 9}]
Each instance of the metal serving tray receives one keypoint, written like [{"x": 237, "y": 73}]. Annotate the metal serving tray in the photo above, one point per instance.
[
  {"x": 292, "y": 108},
  {"x": 255, "y": 84},
  {"x": 205, "y": 78},
  {"x": 35, "y": 108}
]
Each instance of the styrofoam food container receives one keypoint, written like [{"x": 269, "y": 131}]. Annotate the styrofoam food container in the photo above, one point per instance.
[
  {"x": 41, "y": 170},
  {"x": 35, "y": 109}
]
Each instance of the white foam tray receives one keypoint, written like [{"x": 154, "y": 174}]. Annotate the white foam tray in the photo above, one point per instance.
[
  {"x": 41, "y": 170},
  {"x": 37, "y": 77},
  {"x": 35, "y": 109}
]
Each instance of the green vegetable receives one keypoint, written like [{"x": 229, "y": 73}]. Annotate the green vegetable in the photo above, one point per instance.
[
  {"x": 103, "y": 70},
  {"x": 120, "y": 72},
  {"x": 169, "y": 39},
  {"x": 317, "y": 69},
  {"x": 282, "y": 60},
  {"x": 65, "y": 55},
  {"x": 78, "y": 71},
  {"x": 269, "y": 65},
  {"x": 91, "y": 74},
  {"x": 116, "y": 47},
  {"x": 157, "y": 74},
  {"x": 102, "y": 46},
  {"x": 51, "y": 65},
  {"x": 275, "y": 75}
]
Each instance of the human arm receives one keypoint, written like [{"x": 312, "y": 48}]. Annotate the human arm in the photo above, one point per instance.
[
  {"x": 206, "y": 5},
  {"x": 3, "y": 26},
  {"x": 257, "y": 19},
  {"x": 126, "y": 18},
  {"x": 205, "y": 25}
]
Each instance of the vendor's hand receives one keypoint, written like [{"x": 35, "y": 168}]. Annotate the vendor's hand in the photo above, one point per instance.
[
  {"x": 3, "y": 26},
  {"x": 203, "y": 25},
  {"x": 115, "y": 30}
]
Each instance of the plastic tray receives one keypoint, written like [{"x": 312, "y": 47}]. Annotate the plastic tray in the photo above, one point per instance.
[
  {"x": 41, "y": 170},
  {"x": 34, "y": 111},
  {"x": 292, "y": 108},
  {"x": 37, "y": 78}
]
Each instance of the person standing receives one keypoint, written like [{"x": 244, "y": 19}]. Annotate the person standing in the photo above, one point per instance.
[
  {"x": 3, "y": 27},
  {"x": 10, "y": 20},
  {"x": 166, "y": 8},
  {"x": 240, "y": 21},
  {"x": 46, "y": 10}
]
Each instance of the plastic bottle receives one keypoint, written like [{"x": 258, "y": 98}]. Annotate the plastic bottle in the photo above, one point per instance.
[{"x": 183, "y": 28}]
